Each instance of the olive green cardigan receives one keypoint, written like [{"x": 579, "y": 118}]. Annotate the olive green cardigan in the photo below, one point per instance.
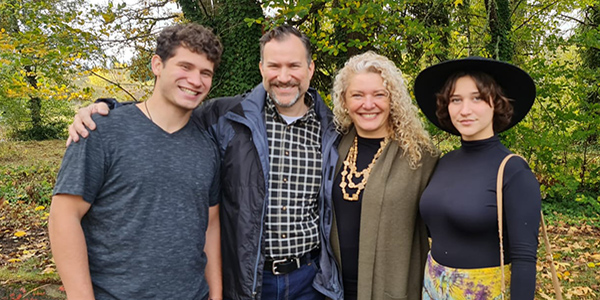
[{"x": 393, "y": 239}]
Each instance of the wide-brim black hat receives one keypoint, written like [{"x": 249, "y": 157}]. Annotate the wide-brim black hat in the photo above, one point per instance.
[{"x": 516, "y": 85}]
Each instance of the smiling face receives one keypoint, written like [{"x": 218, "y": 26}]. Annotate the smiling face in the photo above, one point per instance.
[
  {"x": 183, "y": 80},
  {"x": 368, "y": 104},
  {"x": 471, "y": 115},
  {"x": 286, "y": 72}
]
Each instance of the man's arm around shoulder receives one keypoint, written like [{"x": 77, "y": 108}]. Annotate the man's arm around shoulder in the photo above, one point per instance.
[{"x": 83, "y": 119}]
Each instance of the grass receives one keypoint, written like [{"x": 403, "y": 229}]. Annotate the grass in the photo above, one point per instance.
[
  {"x": 28, "y": 170},
  {"x": 32, "y": 270},
  {"x": 27, "y": 176},
  {"x": 32, "y": 153}
]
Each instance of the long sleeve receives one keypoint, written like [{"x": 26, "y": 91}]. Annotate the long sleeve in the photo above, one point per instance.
[{"x": 522, "y": 206}]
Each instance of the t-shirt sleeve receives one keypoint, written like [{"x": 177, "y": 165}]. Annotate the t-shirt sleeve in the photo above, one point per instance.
[
  {"x": 82, "y": 170},
  {"x": 522, "y": 204}
]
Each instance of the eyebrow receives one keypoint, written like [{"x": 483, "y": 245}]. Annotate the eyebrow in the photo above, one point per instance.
[
  {"x": 472, "y": 93},
  {"x": 276, "y": 63}
]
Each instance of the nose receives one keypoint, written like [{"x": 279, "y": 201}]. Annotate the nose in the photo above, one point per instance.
[
  {"x": 195, "y": 79},
  {"x": 369, "y": 102},
  {"x": 465, "y": 108},
  {"x": 284, "y": 75}
]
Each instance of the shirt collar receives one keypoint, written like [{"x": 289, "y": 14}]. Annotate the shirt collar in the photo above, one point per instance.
[{"x": 308, "y": 100}]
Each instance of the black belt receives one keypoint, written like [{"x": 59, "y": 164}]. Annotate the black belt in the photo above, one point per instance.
[{"x": 287, "y": 265}]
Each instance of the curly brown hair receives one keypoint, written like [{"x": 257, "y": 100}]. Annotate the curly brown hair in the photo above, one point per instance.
[
  {"x": 489, "y": 91},
  {"x": 192, "y": 36}
]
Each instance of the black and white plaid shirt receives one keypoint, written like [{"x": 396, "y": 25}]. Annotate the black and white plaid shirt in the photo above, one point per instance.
[{"x": 292, "y": 221}]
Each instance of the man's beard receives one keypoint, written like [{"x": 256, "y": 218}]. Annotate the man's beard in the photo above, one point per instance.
[
  {"x": 277, "y": 102},
  {"x": 285, "y": 105}
]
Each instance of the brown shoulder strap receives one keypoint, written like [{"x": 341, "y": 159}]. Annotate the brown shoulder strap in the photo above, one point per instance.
[
  {"x": 499, "y": 202},
  {"x": 549, "y": 257},
  {"x": 499, "y": 197}
]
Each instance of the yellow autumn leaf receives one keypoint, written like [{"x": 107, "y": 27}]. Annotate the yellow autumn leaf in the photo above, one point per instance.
[
  {"x": 458, "y": 2},
  {"x": 14, "y": 260},
  {"x": 545, "y": 296},
  {"x": 591, "y": 264},
  {"x": 581, "y": 290},
  {"x": 20, "y": 233},
  {"x": 41, "y": 207}
]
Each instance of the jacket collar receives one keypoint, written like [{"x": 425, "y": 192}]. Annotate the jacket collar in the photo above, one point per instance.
[{"x": 255, "y": 103}]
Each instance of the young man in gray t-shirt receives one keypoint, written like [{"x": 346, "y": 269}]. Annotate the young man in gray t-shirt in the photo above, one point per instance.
[{"x": 135, "y": 208}]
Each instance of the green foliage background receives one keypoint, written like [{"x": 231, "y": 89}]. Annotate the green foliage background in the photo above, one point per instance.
[
  {"x": 560, "y": 135},
  {"x": 42, "y": 47},
  {"x": 557, "y": 42},
  {"x": 28, "y": 170},
  {"x": 238, "y": 70}
]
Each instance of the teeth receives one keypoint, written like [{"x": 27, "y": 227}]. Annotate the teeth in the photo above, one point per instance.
[
  {"x": 369, "y": 115},
  {"x": 189, "y": 92}
]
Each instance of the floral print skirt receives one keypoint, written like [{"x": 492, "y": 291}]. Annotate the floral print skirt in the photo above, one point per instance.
[{"x": 445, "y": 283}]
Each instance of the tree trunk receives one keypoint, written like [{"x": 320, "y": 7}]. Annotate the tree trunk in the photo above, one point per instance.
[
  {"x": 435, "y": 16},
  {"x": 35, "y": 110},
  {"x": 500, "y": 46},
  {"x": 591, "y": 63},
  {"x": 35, "y": 103}
]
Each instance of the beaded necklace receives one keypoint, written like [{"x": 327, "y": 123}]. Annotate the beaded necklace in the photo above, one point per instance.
[{"x": 349, "y": 172}]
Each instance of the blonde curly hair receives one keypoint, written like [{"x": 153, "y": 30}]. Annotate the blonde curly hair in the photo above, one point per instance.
[{"x": 406, "y": 126}]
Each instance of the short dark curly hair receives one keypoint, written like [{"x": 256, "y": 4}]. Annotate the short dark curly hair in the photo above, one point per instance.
[
  {"x": 192, "y": 36},
  {"x": 489, "y": 91}
]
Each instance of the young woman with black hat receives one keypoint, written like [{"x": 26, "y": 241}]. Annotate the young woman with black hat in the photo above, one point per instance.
[{"x": 478, "y": 98}]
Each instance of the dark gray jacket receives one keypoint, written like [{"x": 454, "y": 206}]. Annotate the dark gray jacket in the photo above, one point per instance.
[{"x": 238, "y": 126}]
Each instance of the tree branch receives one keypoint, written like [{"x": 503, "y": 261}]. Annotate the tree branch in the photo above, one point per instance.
[
  {"x": 115, "y": 84},
  {"x": 312, "y": 11},
  {"x": 531, "y": 17},
  {"x": 515, "y": 8},
  {"x": 573, "y": 19},
  {"x": 157, "y": 18},
  {"x": 204, "y": 8},
  {"x": 159, "y": 4}
]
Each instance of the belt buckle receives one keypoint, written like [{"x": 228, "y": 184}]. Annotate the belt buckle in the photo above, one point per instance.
[{"x": 280, "y": 261}]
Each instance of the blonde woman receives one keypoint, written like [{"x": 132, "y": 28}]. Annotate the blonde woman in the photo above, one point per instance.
[{"x": 385, "y": 161}]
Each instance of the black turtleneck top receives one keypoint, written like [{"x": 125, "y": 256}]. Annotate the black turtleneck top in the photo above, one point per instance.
[
  {"x": 347, "y": 215},
  {"x": 459, "y": 208}
]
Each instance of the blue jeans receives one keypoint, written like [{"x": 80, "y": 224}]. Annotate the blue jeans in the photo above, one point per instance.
[{"x": 296, "y": 285}]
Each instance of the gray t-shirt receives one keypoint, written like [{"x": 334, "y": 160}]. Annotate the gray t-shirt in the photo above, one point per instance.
[{"x": 149, "y": 192}]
